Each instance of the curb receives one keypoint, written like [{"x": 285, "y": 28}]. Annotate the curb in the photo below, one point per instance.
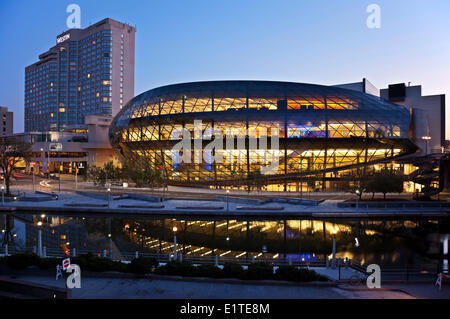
[{"x": 376, "y": 289}]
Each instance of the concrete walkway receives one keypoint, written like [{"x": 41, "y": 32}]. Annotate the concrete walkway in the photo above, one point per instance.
[{"x": 124, "y": 288}]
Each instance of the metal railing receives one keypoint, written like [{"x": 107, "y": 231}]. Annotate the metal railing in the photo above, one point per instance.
[{"x": 418, "y": 272}]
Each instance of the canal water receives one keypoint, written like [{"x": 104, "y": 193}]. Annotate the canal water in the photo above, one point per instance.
[{"x": 396, "y": 242}]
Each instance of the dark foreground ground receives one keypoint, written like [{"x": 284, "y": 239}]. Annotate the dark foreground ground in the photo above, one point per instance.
[{"x": 126, "y": 288}]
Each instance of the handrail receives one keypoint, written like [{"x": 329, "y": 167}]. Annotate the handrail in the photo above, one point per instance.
[{"x": 422, "y": 269}]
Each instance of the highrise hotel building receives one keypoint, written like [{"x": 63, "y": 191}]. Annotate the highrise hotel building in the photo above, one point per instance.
[{"x": 88, "y": 71}]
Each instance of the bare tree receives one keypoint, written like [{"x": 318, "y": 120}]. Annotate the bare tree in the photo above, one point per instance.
[{"x": 12, "y": 151}]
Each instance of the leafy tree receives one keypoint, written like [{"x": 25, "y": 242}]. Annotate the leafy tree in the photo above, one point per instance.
[
  {"x": 97, "y": 175},
  {"x": 109, "y": 172},
  {"x": 113, "y": 173},
  {"x": 146, "y": 176},
  {"x": 133, "y": 173},
  {"x": 12, "y": 151},
  {"x": 385, "y": 181},
  {"x": 255, "y": 180}
]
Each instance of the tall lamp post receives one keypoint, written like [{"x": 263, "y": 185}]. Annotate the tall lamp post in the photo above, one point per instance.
[
  {"x": 426, "y": 139},
  {"x": 109, "y": 197},
  {"x": 59, "y": 177},
  {"x": 39, "y": 224},
  {"x": 174, "y": 229},
  {"x": 228, "y": 204},
  {"x": 357, "y": 198},
  {"x": 48, "y": 161},
  {"x": 43, "y": 157},
  {"x": 333, "y": 261},
  {"x": 33, "y": 167},
  {"x": 3, "y": 195},
  {"x": 76, "y": 176}
]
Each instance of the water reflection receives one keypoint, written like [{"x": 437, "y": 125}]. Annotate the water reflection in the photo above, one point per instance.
[{"x": 369, "y": 241}]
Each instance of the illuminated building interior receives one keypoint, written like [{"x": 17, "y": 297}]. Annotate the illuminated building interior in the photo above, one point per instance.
[{"x": 325, "y": 133}]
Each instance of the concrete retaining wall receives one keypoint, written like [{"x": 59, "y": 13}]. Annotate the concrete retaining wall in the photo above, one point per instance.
[
  {"x": 296, "y": 201},
  {"x": 241, "y": 200},
  {"x": 146, "y": 198},
  {"x": 93, "y": 195}
]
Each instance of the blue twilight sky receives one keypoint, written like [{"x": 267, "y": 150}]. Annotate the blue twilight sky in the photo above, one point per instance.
[{"x": 321, "y": 41}]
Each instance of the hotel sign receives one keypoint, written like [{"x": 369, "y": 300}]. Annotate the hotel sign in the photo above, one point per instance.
[{"x": 63, "y": 38}]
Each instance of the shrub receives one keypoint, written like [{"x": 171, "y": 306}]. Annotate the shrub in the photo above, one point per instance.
[
  {"x": 22, "y": 261},
  {"x": 259, "y": 271},
  {"x": 142, "y": 265},
  {"x": 232, "y": 270},
  {"x": 177, "y": 268},
  {"x": 291, "y": 273},
  {"x": 47, "y": 263},
  {"x": 94, "y": 263},
  {"x": 209, "y": 271}
]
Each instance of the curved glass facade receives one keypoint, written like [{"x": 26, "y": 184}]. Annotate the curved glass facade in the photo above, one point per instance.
[{"x": 324, "y": 132}]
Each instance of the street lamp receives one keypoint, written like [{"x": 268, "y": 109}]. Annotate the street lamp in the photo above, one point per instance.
[
  {"x": 33, "y": 166},
  {"x": 174, "y": 229},
  {"x": 109, "y": 196},
  {"x": 48, "y": 161},
  {"x": 3, "y": 195},
  {"x": 228, "y": 205},
  {"x": 333, "y": 261},
  {"x": 426, "y": 139},
  {"x": 43, "y": 157},
  {"x": 59, "y": 177},
  {"x": 76, "y": 176},
  {"x": 357, "y": 198},
  {"x": 39, "y": 224}
]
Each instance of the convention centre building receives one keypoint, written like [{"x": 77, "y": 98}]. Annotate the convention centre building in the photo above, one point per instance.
[{"x": 325, "y": 135}]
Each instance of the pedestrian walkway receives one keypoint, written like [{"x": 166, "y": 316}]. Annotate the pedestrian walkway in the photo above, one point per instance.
[{"x": 125, "y": 288}]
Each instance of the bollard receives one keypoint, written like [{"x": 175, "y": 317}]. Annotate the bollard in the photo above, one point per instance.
[
  {"x": 327, "y": 262},
  {"x": 181, "y": 257},
  {"x": 216, "y": 261},
  {"x": 74, "y": 252},
  {"x": 253, "y": 259},
  {"x": 44, "y": 252},
  {"x": 346, "y": 262},
  {"x": 290, "y": 261},
  {"x": 6, "y": 250},
  {"x": 136, "y": 255},
  {"x": 339, "y": 262},
  {"x": 104, "y": 253}
]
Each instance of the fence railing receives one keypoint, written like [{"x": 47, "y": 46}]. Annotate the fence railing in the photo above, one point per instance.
[{"x": 388, "y": 272}]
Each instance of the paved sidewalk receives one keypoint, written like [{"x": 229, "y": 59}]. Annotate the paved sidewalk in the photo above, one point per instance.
[
  {"x": 124, "y": 288},
  {"x": 423, "y": 291}
]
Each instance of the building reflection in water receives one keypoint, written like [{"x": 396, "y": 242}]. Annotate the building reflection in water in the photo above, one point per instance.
[{"x": 369, "y": 241}]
